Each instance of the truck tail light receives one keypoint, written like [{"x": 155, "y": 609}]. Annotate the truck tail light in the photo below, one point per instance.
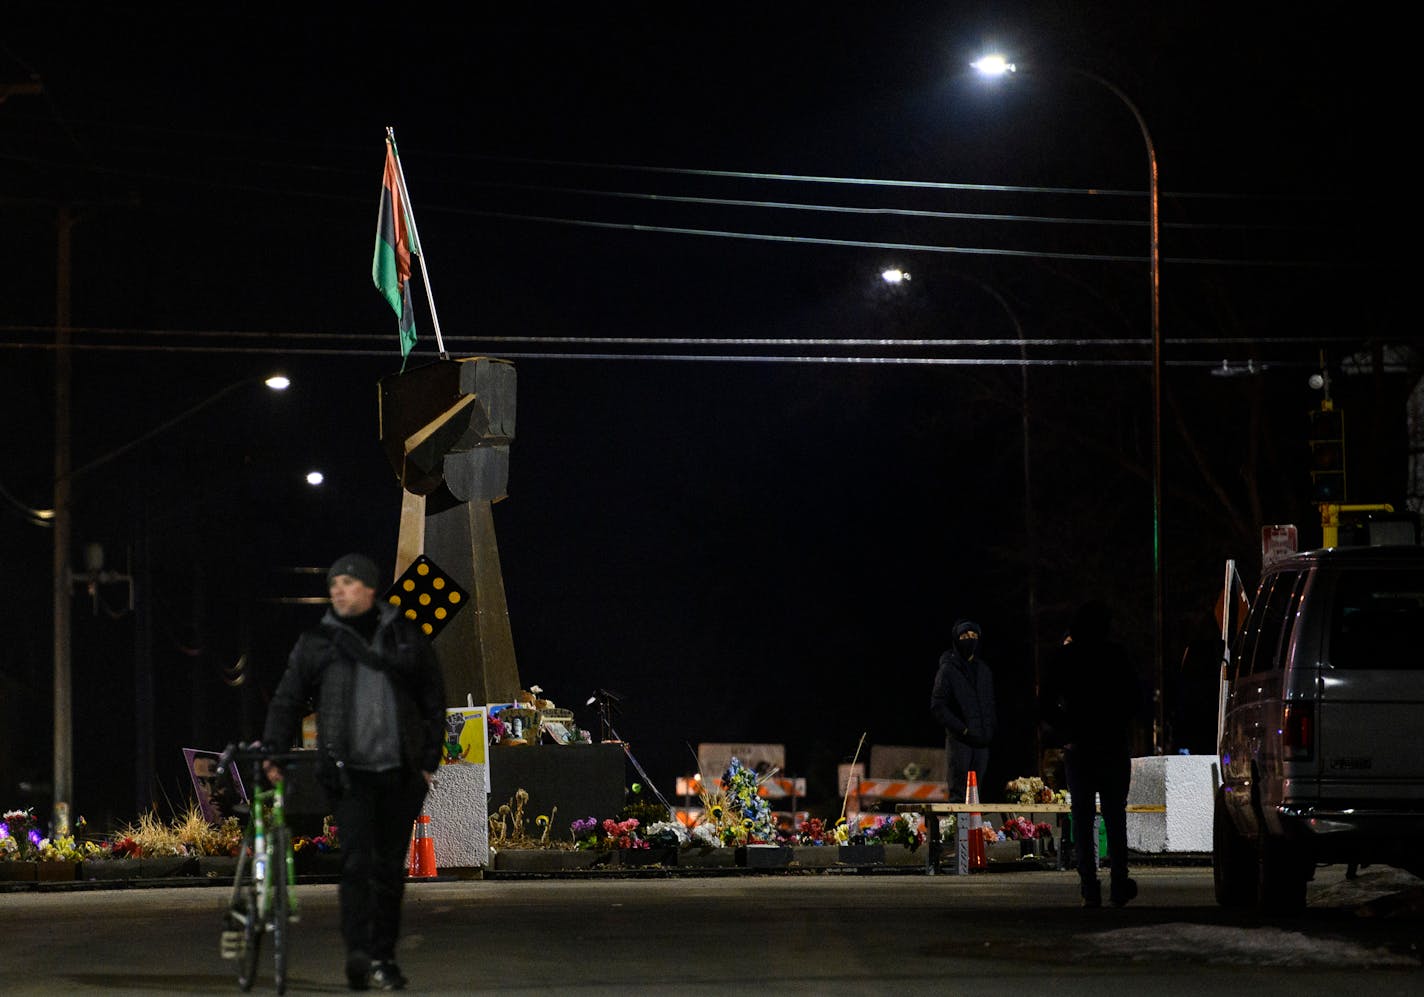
[{"x": 1298, "y": 732}]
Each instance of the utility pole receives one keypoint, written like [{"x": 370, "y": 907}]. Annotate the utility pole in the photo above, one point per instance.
[{"x": 63, "y": 540}]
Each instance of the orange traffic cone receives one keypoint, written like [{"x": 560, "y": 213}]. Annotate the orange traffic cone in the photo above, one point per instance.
[
  {"x": 422, "y": 851},
  {"x": 978, "y": 860}
]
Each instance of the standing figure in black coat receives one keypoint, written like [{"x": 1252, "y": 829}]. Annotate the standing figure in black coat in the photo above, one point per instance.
[
  {"x": 380, "y": 702},
  {"x": 1091, "y": 699},
  {"x": 963, "y": 704}
]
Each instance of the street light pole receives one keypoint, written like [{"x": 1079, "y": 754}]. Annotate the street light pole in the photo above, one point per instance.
[
  {"x": 997, "y": 65},
  {"x": 1155, "y": 262}
]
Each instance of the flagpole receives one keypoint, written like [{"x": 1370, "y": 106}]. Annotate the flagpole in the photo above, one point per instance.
[{"x": 420, "y": 251}]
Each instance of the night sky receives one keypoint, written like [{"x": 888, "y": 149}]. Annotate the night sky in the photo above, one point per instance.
[{"x": 747, "y": 549}]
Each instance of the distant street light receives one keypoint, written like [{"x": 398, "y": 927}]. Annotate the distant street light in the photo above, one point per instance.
[
  {"x": 65, "y": 475},
  {"x": 315, "y": 478},
  {"x": 996, "y": 65}
]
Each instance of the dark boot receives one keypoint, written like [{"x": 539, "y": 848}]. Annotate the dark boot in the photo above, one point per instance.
[
  {"x": 387, "y": 976},
  {"x": 1122, "y": 892},
  {"x": 358, "y": 970}
]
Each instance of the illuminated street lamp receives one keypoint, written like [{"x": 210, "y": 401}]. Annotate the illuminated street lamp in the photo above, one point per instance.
[
  {"x": 61, "y": 518},
  {"x": 996, "y": 65}
]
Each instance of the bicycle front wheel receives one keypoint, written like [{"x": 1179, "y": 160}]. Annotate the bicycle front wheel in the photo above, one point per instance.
[
  {"x": 249, "y": 908},
  {"x": 277, "y": 870}
]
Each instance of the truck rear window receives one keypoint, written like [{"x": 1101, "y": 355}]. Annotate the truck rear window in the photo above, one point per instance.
[{"x": 1378, "y": 620}]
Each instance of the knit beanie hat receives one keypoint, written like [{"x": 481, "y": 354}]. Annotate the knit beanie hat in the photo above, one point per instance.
[{"x": 358, "y": 566}]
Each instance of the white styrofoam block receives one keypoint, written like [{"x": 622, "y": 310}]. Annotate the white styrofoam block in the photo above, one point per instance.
[
  {"x": 459, "y": 812},
  {"x": 1184, "y": 785}
]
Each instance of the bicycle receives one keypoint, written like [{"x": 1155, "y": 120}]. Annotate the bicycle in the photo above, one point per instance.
[{"x": 264, "y": 898}]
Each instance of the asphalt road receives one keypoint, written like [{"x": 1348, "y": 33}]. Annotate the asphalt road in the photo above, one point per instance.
[{"x": 905, "y": 933}]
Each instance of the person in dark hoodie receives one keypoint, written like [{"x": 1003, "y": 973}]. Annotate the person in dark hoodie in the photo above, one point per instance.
[
  {"x": 962, "y": 702},
  {"x": 1091, "y": 699},
  {"x": 380, "y": 701}
]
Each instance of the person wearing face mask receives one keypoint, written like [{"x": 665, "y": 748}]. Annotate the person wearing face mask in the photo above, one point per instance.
[{"x": 963, "y": 704}]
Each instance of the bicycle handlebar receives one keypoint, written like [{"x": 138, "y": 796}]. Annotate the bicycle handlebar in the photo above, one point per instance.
[{"x": 244, "y": 753}]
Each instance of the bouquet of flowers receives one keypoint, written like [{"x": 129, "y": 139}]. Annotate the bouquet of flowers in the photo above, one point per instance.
[
  {"x": 741, "y": 786},
  {"x": 898, "y": 830},
  {"x": 666, "y": 834},
  {"x": 735, "y": 809},
  {"x": 623, "y": 833},
  {"x": 1032, "y": 789},
  {"x": 584, "y": 833},
  {"x": 1019, "y": 828},
  {"x": 20, "y": 837},
  {"x": 813, "y": 831}
]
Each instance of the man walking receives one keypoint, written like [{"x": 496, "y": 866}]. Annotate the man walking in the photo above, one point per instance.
[
  {"x": 1091, "y": 699},
  {"x": 963, "y": 704},
  {"x": 380, "y": 701}
]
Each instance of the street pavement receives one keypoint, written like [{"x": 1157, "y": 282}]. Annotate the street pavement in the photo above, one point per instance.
[{"x": 821, "y": 933}]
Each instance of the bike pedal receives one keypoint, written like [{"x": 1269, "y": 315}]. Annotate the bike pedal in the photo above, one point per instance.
[{"x": 231, "y": 944}]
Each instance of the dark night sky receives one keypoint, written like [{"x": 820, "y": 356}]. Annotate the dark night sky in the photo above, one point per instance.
[{"x": 747, "y": 550}]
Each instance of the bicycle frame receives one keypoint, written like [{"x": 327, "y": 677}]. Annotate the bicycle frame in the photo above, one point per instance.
[{"x": 263, "y": 897}]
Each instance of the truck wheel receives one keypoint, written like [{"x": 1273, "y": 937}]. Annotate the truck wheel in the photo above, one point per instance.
[{"x": 1233, "y": 862}]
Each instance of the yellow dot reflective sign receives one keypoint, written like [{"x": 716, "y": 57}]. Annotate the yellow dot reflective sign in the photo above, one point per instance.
[
  {"x": 437, "y": 583},
  {"x": 410, "y": 614},
  {"x": 454, "y": 596},
  {"x": 440, "y": 613},
  {"x": 427, "y": 628},
  {"x": 408, "y": 585},
  {"x": 425, "y": 598},
  {"x": 394, "y": 600},
  {"x": 422, "y": 569}
]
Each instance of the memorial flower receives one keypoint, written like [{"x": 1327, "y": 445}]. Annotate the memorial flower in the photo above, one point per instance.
[
  {"x": 666, "y": 834},
  {"x": 20, "y": 836},
  {"x": 1032, "y": 789},
  {"x": 742, "y": 788},
  {"x": 813, "y": 831},
  {"x": 705, "y": 835},
  {"x": 584, "y": 833},
  {"x": 898, "y": 830},
  {"x": 623, "y": 834}
]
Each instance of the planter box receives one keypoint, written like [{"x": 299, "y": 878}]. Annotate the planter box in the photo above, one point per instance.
[
  {"x": 1014, "y": 851},
  {"x": 110, "y": 870},
  {"x": 167, "y": 866},
  {"x": 763, "y": 856},
  {"x": 901, "y": 857},
  {"x": 861, "y": 854},
  {"x": 707, "y": 858},
  {"x": 217, "y": 867},
  {"x": 815, "y": 856},
  {"x": 17, "y": 872},
  {"x": 56, "y": 872},
  {"x": 547, "y": 859},
  {"x": 643, "y": 857}
]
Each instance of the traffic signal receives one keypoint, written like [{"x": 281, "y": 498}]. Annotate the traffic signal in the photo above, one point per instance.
[{"x": 1327, "y": 454}]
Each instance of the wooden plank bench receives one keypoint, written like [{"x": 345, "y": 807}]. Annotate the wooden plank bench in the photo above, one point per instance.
[{"x": 931, "y": 813}]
